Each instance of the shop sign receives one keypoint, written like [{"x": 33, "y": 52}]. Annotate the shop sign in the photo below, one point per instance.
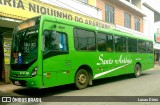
[
  {"x": 36, "y": 8},
  {"x": 7, "y": 50},
  {"x": 157, "y": 36}
]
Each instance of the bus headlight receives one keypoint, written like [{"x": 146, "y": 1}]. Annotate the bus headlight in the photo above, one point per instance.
[{"x": 34, "y": 72}]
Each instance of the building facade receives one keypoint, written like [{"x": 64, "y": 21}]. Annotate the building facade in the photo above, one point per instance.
[
  {"x": 152, "y": 24},
  {"x": 126, "y": 15}
]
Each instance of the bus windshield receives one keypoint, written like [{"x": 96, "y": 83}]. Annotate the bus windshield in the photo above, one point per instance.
[{"x": 25, "y": 46}]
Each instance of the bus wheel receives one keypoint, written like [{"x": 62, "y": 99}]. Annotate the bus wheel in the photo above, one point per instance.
[
  {"x": 137, "y": 71},
  {"x": 81, "y": 79}
]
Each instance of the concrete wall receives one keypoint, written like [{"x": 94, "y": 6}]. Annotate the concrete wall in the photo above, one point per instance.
[
  {"x": 148, "y": 21},
  {"x": 137, "y": 3}
]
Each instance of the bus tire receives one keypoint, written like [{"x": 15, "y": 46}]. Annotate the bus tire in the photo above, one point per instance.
[
  {"x": 137, "y": 71},
  {"x": 81, "y": 79}
]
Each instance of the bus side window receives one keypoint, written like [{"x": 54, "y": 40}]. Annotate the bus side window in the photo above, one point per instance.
[
  {"x": 149, "y": 47},
  {"x": 120, "y": 44},
  {"x": 105, "y": 42},
  {"x": 62, "y": 42},
  {"x": 141, "y": 46},
  {"x": 132, "y": 45},
  {"x": 54, "y": 41},
  {"x": 59, "y": 41},
  {"x": 84, "y": 40}
]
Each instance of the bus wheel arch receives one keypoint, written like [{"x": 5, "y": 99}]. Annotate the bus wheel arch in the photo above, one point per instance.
[
  {"x": 87, "y": 72},
  {"x": 137, "y": 69}
]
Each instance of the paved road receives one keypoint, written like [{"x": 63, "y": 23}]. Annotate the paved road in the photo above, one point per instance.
[{"x": 147, "y": 85}]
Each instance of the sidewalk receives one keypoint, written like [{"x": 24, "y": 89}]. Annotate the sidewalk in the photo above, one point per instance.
[
  {"x": 7, "y": 89},
  {"x": 2, "y": 82},
  {"x": 156, "y": 67}
]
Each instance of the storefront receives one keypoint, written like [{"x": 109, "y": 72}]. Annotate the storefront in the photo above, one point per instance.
[
  {"x": 157, "y": 47},
  {"x": 5, "y": 32},
  {"x": 5, "y": 55},
  {"x": 14, "y": 11}
]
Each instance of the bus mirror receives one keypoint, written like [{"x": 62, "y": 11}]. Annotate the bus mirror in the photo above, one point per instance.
[{"x": 53, "y": 35}]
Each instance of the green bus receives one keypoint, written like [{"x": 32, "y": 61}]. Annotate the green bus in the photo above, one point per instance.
[{"x": 48, "y": 51}]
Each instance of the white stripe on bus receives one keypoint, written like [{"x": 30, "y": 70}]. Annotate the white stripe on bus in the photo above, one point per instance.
[{"x": 108, "y": 71}]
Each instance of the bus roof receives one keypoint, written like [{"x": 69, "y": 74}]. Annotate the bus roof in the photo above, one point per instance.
[{"x": 95, "y": 28}]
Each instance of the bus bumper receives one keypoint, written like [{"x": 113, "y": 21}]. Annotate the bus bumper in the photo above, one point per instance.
[{"x": 34, "y": 82}]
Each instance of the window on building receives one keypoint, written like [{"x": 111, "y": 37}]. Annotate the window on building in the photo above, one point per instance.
[
  {"x": 105, "y": 42},
  {"x": 109, "y": 14},
  {"x": 120, "y": 44},
  {"x": 84, "y": 39},
  {"x": 127, "y": 20},
  {"x": 137, "y": 24}
]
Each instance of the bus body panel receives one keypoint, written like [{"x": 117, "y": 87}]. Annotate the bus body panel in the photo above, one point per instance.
[
  {"x": 57, "y": 69},
  {"x": 60, "y": 68},
  {"x": 34, "y": 82}
]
